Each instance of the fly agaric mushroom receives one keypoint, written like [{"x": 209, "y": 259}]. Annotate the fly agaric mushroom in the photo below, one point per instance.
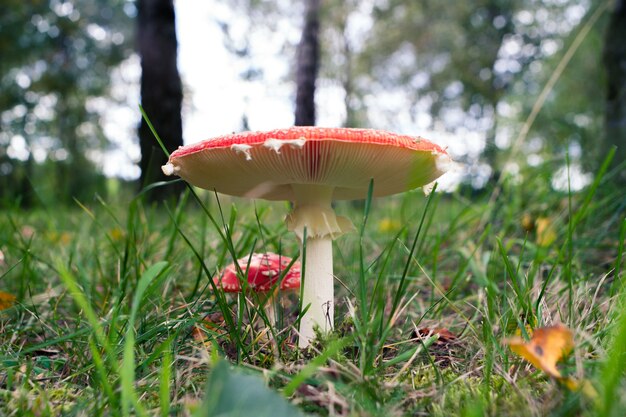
[
  {"x": 311, "y": 167},
  {"x": 262, "y": 271}
]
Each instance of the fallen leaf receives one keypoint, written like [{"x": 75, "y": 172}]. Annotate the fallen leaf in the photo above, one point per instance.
[
  {"x": 546, "y": 347},
  {"x": 445, "y": 348},
  {"x": 584, "y": 386},
  {"x": 213, "y": 322},
  {"x": 445, "y": 335},
  {"x": 546, "y": 234},
  {"x": 198, "y": 334},
  {"x": 6, "y": 300}
]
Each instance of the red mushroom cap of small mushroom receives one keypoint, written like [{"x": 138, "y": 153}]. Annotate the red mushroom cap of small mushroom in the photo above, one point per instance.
[{"x": 263, "y": 271}]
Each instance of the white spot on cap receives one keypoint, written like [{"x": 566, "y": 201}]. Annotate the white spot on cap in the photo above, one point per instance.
[
  {"x": 276, "y": 144},
  {"x": 269, "y": 273},
  {"x": 428, "y": 188},
  {"x": 170, "y": 169},
  {"x": 242, "y": 148}
]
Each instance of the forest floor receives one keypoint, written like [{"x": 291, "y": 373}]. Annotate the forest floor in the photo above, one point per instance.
[{"x": 114, "y": 313}]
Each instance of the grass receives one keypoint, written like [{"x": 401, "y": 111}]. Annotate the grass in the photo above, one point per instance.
[{"x": 117, "y": 314}]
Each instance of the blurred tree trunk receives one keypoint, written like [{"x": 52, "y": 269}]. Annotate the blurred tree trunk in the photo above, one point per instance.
[
  {"x": 307, "y": 65},
  {"x": 161, "y": 90},
  {"x": 615, "y": 63},
  {"x": 347, "y": 79}
]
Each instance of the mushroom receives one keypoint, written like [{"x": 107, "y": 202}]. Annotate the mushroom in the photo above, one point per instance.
[
  {"x": 311, "y": 167},
  {"x": 262, "y": 271}
]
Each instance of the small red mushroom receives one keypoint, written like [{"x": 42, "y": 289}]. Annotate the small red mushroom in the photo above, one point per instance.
[{"x": 262, "y": 270}]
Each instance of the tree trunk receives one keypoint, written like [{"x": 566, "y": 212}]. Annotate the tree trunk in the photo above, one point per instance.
[
  {"x": 161, "y": 90},
  {"x": 307, "y": 65},
  {"x": 615, "y": 63}
]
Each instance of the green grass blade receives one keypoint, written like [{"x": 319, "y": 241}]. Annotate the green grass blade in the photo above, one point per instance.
[
  {"x": 165, "y": 380},
  {"x": 127, "y": 372},
  {"x": 310, "y": 368},
  {"x": 81, "y": 300},
  {"x": 617, "y": 268},
  {"x": 518, "y": 285},
  {"x": 612, "y": 374},
  {"x": 401, "y": 286},
  {"x": 102, "y": 374},
  {"x": 145, "y": 117},
  {"x": 363, "y": 304}
]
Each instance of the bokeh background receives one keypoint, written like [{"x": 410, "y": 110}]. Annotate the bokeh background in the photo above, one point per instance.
[{"x": 467, "y": 75}]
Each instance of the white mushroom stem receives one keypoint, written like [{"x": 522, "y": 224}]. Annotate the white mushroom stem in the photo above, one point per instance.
[
  {"x": 313, "y": 212},
  {"x": 318, "y": 289},
  {"x": 269, "y": 309}
]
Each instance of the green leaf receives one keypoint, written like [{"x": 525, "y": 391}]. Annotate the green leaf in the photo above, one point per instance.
[{"x": 231, "y": 393}]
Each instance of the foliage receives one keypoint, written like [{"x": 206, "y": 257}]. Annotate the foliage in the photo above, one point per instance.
[
  {"x": 478, "y": 68},
  {"x": 57, "y": 58}
]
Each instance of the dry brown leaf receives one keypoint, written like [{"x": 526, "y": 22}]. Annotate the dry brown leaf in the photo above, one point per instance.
[
  {"x": 445, "y": 348},
  {"x": 6, "y": 300},
  {"x": 213, "y": 322},
  {"x": 445, "y": 335},
  {"x": 198, "y": 334}
]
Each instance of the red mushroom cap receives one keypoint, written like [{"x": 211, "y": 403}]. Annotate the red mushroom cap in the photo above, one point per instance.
[
  {"x": 263, "y": 271},
  {"x": 267, "y": 164}
]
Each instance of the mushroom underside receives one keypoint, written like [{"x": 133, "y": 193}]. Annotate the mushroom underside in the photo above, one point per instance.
[{"x": 347, "y": 167}]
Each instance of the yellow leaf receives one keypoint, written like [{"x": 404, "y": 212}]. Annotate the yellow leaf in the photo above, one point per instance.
[
  {"x": 56, "y": 237},
  {"x": 546, "y": 234},
  {"x": 527, "y": 222},
  {"x": 6, "y": 300},
  {"x": 116, "y": 234},
  {"x": 583, "y": 386},
  {"x": 546, "y": 347},
  {"x": 65, "y": 238},
  {"x": 389, "y": 225}
]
